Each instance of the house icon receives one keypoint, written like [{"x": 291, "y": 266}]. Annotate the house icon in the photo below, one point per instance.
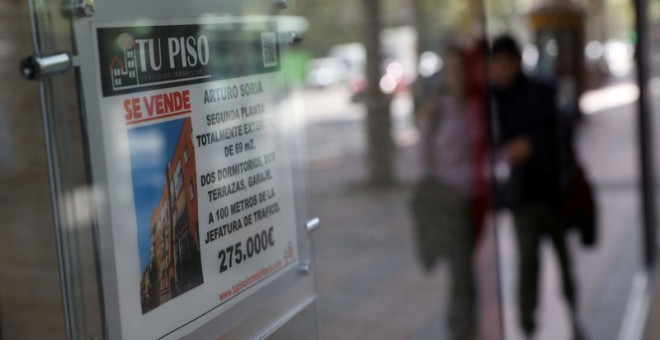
[{"x": 123, "y": 70}]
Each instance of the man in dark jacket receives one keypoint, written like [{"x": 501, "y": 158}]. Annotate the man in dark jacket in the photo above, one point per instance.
[{"x": 526, "y": 125}]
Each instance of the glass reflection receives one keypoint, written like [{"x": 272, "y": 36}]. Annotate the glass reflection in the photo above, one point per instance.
[{"x": 374, "y": 112}]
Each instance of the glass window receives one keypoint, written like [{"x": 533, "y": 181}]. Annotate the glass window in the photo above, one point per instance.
[
  {"x": 476, "y": 167},
  {"x": 178, "y": 179}
]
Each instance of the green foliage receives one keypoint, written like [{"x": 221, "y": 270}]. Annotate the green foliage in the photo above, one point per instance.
[
  {"x": 331, "y": 23},
  {"x": 340, "y": 21},
  {"x": 293, "y": 66}
]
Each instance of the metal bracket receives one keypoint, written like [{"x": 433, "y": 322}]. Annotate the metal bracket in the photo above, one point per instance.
[
  {"x": 296, "y": 39},
  {"x": 78, "y": 8},
  {"x": 312, "y": 224},
  {"x": 37, "y": 67},
  {"x": 281, "y": 4},
  {"x": 304, "y": 268}
]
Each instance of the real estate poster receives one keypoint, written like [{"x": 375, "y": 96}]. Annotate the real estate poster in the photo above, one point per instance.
[{"x": 193, "y": 124}]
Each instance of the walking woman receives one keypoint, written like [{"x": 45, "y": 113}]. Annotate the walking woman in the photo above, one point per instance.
[{"x": 453, "y": 154}]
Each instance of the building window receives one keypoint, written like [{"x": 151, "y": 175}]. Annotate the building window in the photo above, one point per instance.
[
  {"x": 171, "y": 192},
  {"x": 191, "y": 188},
  {"x": 185, "y": 156},
  {"x": 178, "y": 179},
  {"x": 166, "y": 238},
  {"x": 163, "y": 213}
]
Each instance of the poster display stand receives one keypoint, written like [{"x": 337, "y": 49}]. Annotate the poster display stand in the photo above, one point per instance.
[{"x": 193, "y": 163}]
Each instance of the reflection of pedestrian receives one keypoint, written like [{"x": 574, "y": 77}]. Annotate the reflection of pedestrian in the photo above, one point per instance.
[
  {"x": 451, "y": 129},
  {"x": 527, "y": 137}
]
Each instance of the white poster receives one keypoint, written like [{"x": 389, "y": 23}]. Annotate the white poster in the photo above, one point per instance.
[{"x": 200, "y": 182}]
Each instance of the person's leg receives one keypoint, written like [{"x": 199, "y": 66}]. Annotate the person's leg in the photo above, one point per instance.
[
  {"x": 557, "y": 233},
  {"x": 462, "y": 301},
  {"x": 528, "y": 231}
]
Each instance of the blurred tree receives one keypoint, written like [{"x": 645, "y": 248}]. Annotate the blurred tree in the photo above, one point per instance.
[
  {"x": 331, "y": 23},
  {"x": 343, "y": 21},
  {"x": 424, "y": 43},
  {"x": 380, "y": 146}
]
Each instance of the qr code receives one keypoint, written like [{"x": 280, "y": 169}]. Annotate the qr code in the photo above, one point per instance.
[{"x": 269, "y": 49}]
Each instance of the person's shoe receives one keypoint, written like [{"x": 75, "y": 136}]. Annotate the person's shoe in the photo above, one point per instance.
[
  {"x": 528, "y": 327},
  {"x": 578, "y": 333}
]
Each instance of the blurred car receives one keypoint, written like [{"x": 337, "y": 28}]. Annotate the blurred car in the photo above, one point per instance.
[
  {"x": 323, "y": 72},
  {"x": 391, "y": 82},
  {"x": 353, "y": 57},
  {"x": 620, "y": 57}
]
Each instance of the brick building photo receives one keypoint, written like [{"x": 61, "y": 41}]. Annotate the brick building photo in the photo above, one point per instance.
[{"x": 174, "y": 264}]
